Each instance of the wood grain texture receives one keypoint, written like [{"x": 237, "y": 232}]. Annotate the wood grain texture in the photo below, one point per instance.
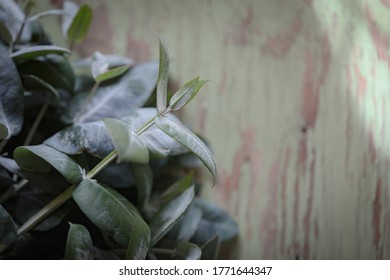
[{"x": 296, "y": 110}]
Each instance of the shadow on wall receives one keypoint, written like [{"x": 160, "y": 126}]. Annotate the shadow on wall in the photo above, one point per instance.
[{"x": 301, "y": 89}]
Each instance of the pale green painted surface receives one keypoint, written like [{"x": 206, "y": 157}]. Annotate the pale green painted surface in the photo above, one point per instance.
[{"x": 296, "y": 109}]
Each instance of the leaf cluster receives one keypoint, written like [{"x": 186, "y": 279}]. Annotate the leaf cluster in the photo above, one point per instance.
[{"x": 90, "y": 168}]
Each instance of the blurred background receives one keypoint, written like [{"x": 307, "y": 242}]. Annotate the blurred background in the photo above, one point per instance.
[{"x": 295, "y": 110}]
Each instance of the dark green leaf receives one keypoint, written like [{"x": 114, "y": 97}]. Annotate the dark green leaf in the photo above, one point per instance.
[
  {"x": 53, "y": 69},
  {"x": 34, "y": 82},
  {"x": 42, "y": 159},
  {"x": 70, "y": 10},
  {"x": 11, "y": 98},
  {"x": 115, "y": 215},
  {"x": 91, "y": 137},
  {"x": 187, "y": 225},
  {"x": 167, "y": 216},
  {"x": 176, "y": 189},
  {"x": 185, "y": 94},
  {"x": 5, "y": 34},
  {"x": 7, "y": 228},
  {"x": 189, "y": 251},
  {"x": 79, "y": 244},
  {"x": 128, "y": 144},
  {"x": 189, "y": 140},
  {"x": 210, "y": 249},
  {"x": 36, "y": 51},
  {"x": 162, "y": 81},
  {"x": 214, "y": 221},
  {"x": 116, "y": 175},
  {"x": 80, "y": 24},
  {"x": 115, "y": 100},
  {"x": 143, "y": 177}
]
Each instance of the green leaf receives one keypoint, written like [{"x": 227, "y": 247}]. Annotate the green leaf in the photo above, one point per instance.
[
  {"x": 70, "y": 10},
  {"x": 176, "y": 189},
  {"x": 189, "y": 251},
  {"x": 169, "y": 213},
  {"x": 53, "y": 69},
  {"x": 42, "y": 159},
  {"x": 115, "y": 100},
  {"x": 112, "y": 73},
  {"x": 162, "y": 82},
  {"x": 36, "y": 51},
  {"x": 99, "y": 64},
  {"x": 187, "y": 225},
  {"x": 210, "y": 249},
  {"x": 5, "y": 34},
  {"x": 143, "y": 177},
  {"x": 7, "y": 228},
  {"x": 214, "y": 221},
  {"x": 91, "y": 137},
  {"x": 45, "y": 14},
  {"x": 11, "y": 98},
  {"x": 189, "y": 140},
  {"x": 34, "y": 82},
  {"x": 127, "y": 143},
  {"x": 186, "y": 94},
  {"x": 79, "y": 244},
  {"x": 12, "y": 16},
  {"x": 80, "y": 24},
  {"x": 115, "y": 215}
]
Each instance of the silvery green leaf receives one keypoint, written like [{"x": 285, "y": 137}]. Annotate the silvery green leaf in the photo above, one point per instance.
[
  {"x": 99, "y": 65},
  {"x": 80, "y": 24},
  {"x": 162, "y": 81},
  {"x": 79, "y": 244},
  {"x": 186, "y": 94},
  {"x": 70, "y": 8}
]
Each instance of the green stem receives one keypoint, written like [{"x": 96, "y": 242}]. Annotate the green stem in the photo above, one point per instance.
[
  {"x": 102, "y": 164},
  {"x": 163, "y": 251},
  {"x": 46, "y": 210},
  {"x": 36, "y": 123}
]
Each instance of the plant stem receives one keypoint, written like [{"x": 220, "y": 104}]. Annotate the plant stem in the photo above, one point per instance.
[
  {"x": 163, "y": 251},
  {"x": 36, "y": 123},
  {"x": 102, "y": 164},
  {"x": 46, "y": 210}
]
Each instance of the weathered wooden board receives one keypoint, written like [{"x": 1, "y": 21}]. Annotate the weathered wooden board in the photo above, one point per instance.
[{"x": 297, "y": 110}]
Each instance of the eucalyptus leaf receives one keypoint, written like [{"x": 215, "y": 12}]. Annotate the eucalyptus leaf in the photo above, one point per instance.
[
  {"x": 34, "y": 82},
  {"x": 10, "y": 164},
  {"x": 45, "y": 14},
  {"x": 187, "y": 225},
  {"x": 169, "y": 213},
  {"x": 53, "y": 68},
  {"x": 7, "y": 228},
  {"x": 162, "y": 82},
  {"x": 210, "y": 249},
  {"x": 131, "y": 91},
  {"x": 42, "y": 159},
  {"x": 12, "y": 16},
  {"x": 36, "y": 51},
  {"x": 99, "y": 64},
  {"x": 189, "y": 140},
  {"x": 185, "y": 94},
  {"x": 91, "y": 137},
  {"x": 214, "y": 221},
  {"x": 11, "y": 98},
  {"x": 112, "y": 73},
  {"x": 115, "y": 215},
  {"x": 176, "y": 188},
  {"x": 5, "y": 34},
  {"x": 79, "y": 244},
  {"x": 189, "y": 251},
  {"x": 70, "y": 10},
  {"x": 128, "y": 144},
  {"x": 143, "y": 177},
  {"x": 80, "y": 24}
]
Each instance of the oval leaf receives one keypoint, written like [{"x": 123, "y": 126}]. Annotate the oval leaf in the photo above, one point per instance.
[
  {"x": 187, "y": 225},
  {"x": 143, "y": 177},
  {"x": 210, "y": 249},
  {"x": 162, "y": 82},
  {"x": 115, "y": 215},
  {"x": 189, "y": 140},
  {"x": 189, "y": 251},
  {"x": 42, "y": 159},
  {"x": 7, "y": 228},
  {"x": 79, "y": 244},
  {"x": 5, "y": 34},
  {"x": 167, "y": 216},
  {"x": 70, "y": 10},
  {"x": 80, "y": 24},
  {"x": 128, "y": 144},
  {"x": 112, "y": 73},
  {"x": 116, "y": 100},
  {"x": 11, "y": 98},
  {"x": 36, "y": 51}
]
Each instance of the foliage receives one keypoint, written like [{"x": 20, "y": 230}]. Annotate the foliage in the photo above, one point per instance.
[{"x": 87, "y": 169}]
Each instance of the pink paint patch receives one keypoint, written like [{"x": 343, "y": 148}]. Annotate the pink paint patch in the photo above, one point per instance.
[
  {"x": 362, "y": 83},
  {"x": 379, "y": 38},
  {"x": 280, "y": 44},
  {"x": 386, "y": 3},
  {"x": 376, "y": 217},
  {"x": 239, "y": 34}
]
